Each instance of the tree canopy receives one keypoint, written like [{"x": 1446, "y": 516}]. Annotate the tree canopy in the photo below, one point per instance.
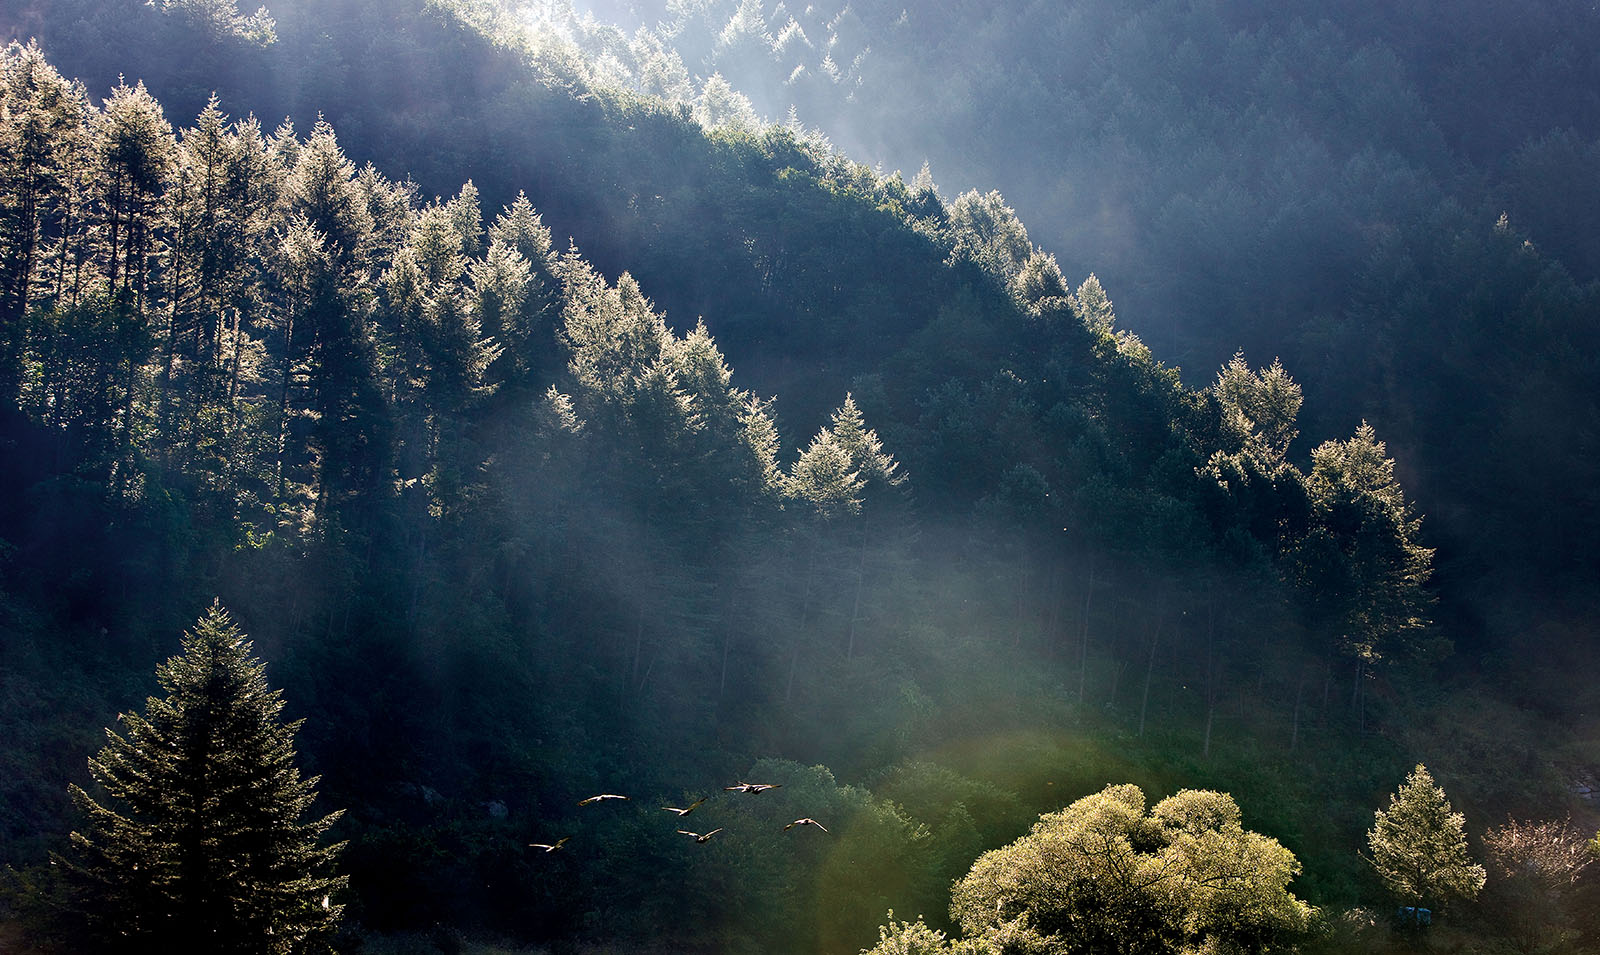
[
  {"x": 199, "y": 842},
  {"x": 473, "y": 457},
  {"x": 1108, "y": 874},
  {"x": 1419, "y": 845}
]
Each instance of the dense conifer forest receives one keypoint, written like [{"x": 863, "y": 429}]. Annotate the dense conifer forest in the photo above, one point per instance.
[{"x": 661, "y": 525}]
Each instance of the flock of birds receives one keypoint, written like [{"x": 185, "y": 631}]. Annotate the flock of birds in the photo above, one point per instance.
[{"x": 699, "y": 837}]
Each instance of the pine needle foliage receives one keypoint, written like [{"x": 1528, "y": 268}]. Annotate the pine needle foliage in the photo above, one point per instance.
[
  {"x": 1419, "y": 845},
  {"x": 197, "y": 844}
]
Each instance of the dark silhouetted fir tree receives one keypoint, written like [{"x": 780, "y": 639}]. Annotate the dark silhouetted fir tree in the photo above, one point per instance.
[{"x": 197, "y": 843}]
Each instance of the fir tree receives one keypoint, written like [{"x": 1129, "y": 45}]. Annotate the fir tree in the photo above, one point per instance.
[
  {"x": 1363, "y": 561},
  {"x": 1259, "y": 406},
  {"x": 1092, "y": 306},
  {"x": 42, "y": 128},
  {"x": 877, "y": 467},
  {"x": 200, "y": 846},
  {"x": 987, "y": 231},
  {"x": 1419, "y": 846},
  {"x": 825, "y": 477},
  {"x": 136, "y": 152}
]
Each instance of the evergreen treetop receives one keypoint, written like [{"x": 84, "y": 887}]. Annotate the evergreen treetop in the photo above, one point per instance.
[
  {"x": 1419, "y": 845},
  {"x": 198, "y": 842}
]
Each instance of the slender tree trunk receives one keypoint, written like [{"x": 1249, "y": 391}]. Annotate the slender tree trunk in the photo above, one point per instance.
[
  {"x": 1358, "y": 696},
  {"x": 1019, "y": 613},
  {"x": 861, "y": 576},
  {"x": 1083, "y": 634},
  {"x": 1327, "y": 682},
  {"x": 794, "y": 666},
  {"x": 418, "y": 571},
  {"x": 162, "y": 393},
  {"x": 1114, "y": 651},
  {"x": 25, "y": 269},
  {"x": 125, "y": 441},
  {"x": 1261, "y": 673},
  {"x": 283, "y": 396},
  {"x": 115, "y": 235},
  {"x": 1052, "y": 624},
  {"x": 638, "y": 645},
  {"x": 79, "y": 259},
  {"x": 1211, "y": 673},
  {"x": 61, "y": 262},
  {"x": 649, "y": 668},
  {"x": 233, "y": 363},
  {"x": 1150, "y": 665},
  {"x": 730, "y": 613},
  {"x": 1299, "y": 694},
  {"x": 1361, "y": 714},
  {"x": 15, "y": 299},
  {"x": 805, "y": 615}
]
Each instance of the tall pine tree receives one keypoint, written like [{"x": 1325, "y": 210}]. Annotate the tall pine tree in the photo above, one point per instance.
[{"x": 198, "y": 844}]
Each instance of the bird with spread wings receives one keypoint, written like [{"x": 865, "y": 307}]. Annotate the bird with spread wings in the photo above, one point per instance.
[
  {"x": 687, "y": 809},
  {"x": 549, "y": 847},
  {"x": 699, "y": 837},
  {"x": 745, "y": 787},
  {"x": 807, "y": 821}
]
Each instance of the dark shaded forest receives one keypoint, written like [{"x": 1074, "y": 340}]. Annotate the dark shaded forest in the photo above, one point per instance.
[
  {"x": 1324, "y": 184},
  {"x": 557, "y": 427}
]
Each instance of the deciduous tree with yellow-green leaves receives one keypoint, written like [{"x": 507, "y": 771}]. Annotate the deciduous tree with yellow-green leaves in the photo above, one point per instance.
[{"x": 1105, "y": 874}]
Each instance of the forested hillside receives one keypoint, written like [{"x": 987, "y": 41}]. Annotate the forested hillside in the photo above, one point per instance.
[
  {"x": 553, "y": 438},
  {"x": 1398, "y": 203}
]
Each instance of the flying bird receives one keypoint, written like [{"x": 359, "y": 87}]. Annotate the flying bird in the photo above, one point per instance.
[
  {"x": 549, "y": 847},
  {"x": 808, "y": 821},
  {"x": 585, "y": 802},
  {"x": 697, "y": 837},
  {"x": 752, "y": 787},
  {"x": 690, "y": 808}
]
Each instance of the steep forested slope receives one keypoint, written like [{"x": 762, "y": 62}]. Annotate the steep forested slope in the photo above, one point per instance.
[
  {"x": 1316, "y": 182},
  {"x": 510, "y": 538}
]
